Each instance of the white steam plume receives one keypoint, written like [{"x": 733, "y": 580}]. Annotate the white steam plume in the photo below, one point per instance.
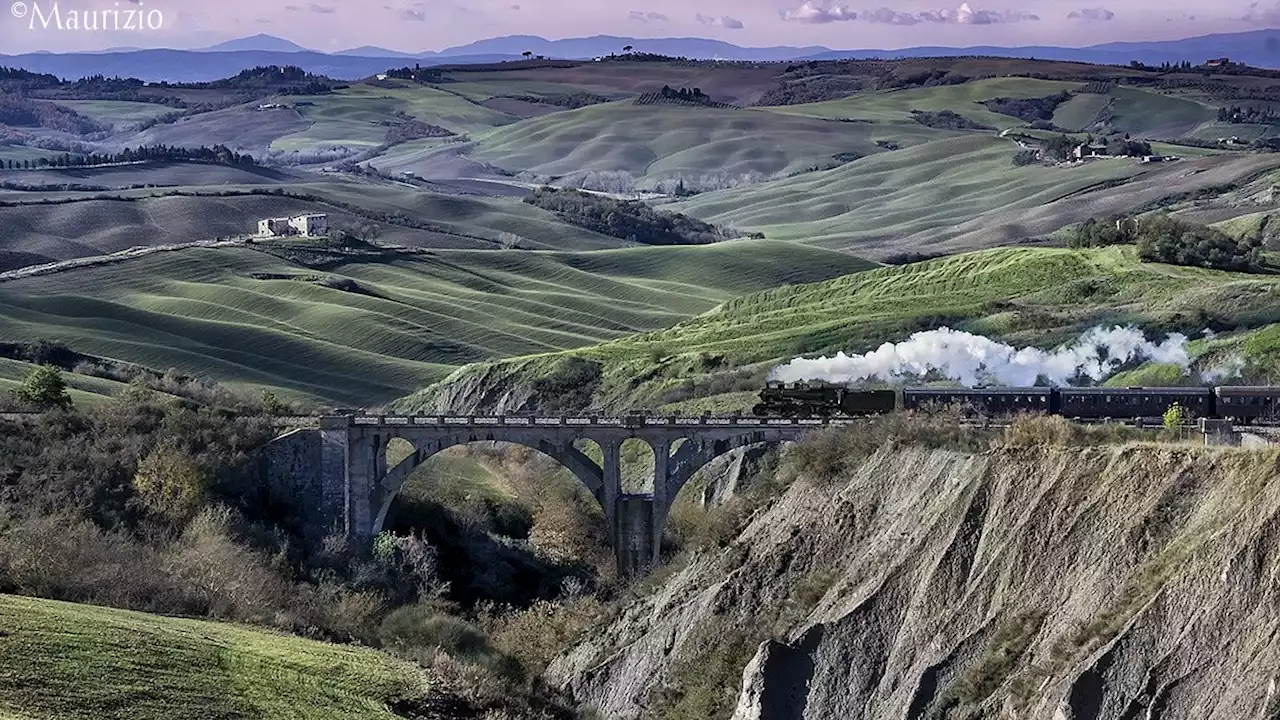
[
  {"x": 1228, "y": 369},
  {"x": 974, "y": 359}
]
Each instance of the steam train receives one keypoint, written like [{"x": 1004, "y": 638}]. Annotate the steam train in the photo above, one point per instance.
[{"x": 820, "y": 399}]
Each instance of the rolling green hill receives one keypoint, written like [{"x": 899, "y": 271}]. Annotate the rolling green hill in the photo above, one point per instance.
[
  {"x": 955, "y": 195},
  {"x": 117, "y": 112},
  {"x": 668, "y": 141},
  {"x": 1135, "y": 111},
  {"x": 364, "y": 333},
  {"x": 35, "y": 232},
  {"x": 83, "y": 389},
  {"x": 357, "y": 116},
  {"x": 965, "y": 99},
  {"x": 73, "y": 662},
  {"x": 1023, "y": 296}
]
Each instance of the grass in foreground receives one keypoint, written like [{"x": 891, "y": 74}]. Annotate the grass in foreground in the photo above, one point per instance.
[{"x": 67, "y": 661}]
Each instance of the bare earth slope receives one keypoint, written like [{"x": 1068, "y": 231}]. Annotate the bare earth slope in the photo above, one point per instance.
[{"x": 1062, "y": 584}]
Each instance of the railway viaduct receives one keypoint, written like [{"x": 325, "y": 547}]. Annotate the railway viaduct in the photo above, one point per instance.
[{"x": 342, "y": 475}]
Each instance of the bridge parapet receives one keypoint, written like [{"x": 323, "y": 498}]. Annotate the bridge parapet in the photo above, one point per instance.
[{"x": 579, "y": 421}]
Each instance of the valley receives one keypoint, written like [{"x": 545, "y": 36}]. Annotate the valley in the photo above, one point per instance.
[{"x": 605, "y": 234}]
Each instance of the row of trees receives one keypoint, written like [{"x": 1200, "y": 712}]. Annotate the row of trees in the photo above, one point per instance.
[
  {"x": 218, "y": 155},
  {"x": 19, "y": 111},
  {"x": 1237, "y": 114},
  {"x": 626, "y": 219},
  {"x": 1164, "y": 239},
  {"x": 1028, "y": 109}
]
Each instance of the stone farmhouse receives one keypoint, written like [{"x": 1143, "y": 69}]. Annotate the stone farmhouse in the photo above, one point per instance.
[{"x": 315, "y": 225}]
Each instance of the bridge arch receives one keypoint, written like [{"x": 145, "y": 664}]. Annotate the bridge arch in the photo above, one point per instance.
[
  {"x": 344, "y": 468},
  {"x": 387, "y": 487}
]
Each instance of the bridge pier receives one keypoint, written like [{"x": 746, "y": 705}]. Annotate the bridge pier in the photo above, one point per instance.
[{"x": 341, "y": 471}]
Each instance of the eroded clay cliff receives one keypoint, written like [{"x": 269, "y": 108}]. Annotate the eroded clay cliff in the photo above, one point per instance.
[{"x": 1116, "y": 583}]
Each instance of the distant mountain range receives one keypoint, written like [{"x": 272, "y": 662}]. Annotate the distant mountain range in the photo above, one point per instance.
[{"x": 1260, "y": 48}]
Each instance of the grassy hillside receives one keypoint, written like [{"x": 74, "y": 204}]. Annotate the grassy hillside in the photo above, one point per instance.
[
  {"x": 362, "y": 334},
  {"x": 1024, "y": 296},
  {"x": 117, "y": 112},
  {"x": 1133, "y": 110},
  {"x": 36, "y": 233},
  {"x": 241, "y": 128},
  {"x": 657, "y": 141},
  {"x": 357, "y": 116},
  {"x": 84, "y": 390},
  {"x": 66, "y": 661},
  {"x": 966, "y": 99},
  {"x": 955, "y": 195}
]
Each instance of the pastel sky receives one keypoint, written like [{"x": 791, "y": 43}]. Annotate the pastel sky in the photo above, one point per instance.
[{"x": 416, "y": 25}]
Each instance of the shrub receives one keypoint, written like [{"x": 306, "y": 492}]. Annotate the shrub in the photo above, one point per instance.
[
  {"x": 833, "y": 453},
  {"x": 170, "y": 483},
  {"x": 1175, "y": 416},
  {"x": 421, "y": 626},
  {"x": 225, "y": 578},
  {"x": 569, "y": 386},
  {"x": 536, "y": 635},
  {"x": 1026, "y": 157},
  {"x": 44, "y": 389},
  {"x": 1054, "y": 430}
]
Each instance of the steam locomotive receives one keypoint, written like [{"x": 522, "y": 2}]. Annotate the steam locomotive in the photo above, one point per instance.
[{"x": 820, "y": 399}]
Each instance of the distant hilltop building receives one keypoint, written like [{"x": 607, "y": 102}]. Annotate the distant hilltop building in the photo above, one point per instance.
[
  {"x": 315, "y": 225},
  {"x": 1218, "y": 62},
  {"x": 1088, "y": 150}
]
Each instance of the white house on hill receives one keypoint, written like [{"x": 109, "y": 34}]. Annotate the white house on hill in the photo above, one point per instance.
[{"x": 310, "y": 225}]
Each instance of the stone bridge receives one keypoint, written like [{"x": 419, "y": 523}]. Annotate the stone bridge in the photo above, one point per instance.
[{"x": 342, "y": 471}]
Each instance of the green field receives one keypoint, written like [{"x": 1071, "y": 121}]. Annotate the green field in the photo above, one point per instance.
[
  {"x": 72, "y": 662},
  {"x": 657, "y": 141},
  {"x": 252, "y": 320},
  {"x": 952, "y": 196},
  {"x": 896, "y": 105},
  {"x": 19, "y": 153},
  {"x": 355, "y": 116},
  {"x": 1135, "y": 111},
  {"x": 1244, "y": 131},
  {"x": 1022, "y": 296},
  {"x": 150, "y": 217},
  {"x": 118, "y": 112},
  {"x": 83, "y": 389}
]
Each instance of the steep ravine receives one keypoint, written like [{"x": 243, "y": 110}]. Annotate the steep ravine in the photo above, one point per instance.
[{"x": 1108, "y": 583}]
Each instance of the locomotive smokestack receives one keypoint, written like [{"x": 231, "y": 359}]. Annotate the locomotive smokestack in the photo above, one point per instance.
[{"x": 974, "y": 359}]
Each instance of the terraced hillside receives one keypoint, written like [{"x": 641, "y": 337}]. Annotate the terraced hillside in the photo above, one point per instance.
[
  {"x": 361, "y": 333},
  {"x": 1023, "y": 296},
  {"x": 59, "y": 660},
  {"x": 957, "y": 195}
]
